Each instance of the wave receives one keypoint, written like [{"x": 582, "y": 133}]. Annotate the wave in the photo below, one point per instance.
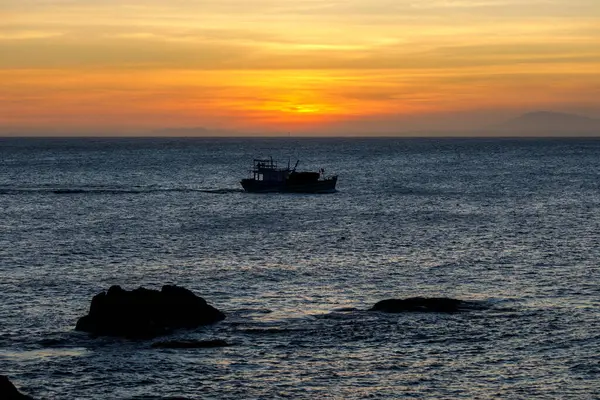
[
  {"x": 111, "y": 190},
  {"x": 220, "y": 191}
]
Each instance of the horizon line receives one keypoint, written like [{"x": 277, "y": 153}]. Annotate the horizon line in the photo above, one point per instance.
[{"x": 390, "y": 136}]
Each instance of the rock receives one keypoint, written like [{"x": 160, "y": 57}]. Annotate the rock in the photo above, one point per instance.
[
  {"x": 345, "y": 309},
  {"x": 8, "y": 391},
  {"x": 190, "y": 344},
  {"x": 146, "y": 313},
  {"x": 419, "y": 304}
]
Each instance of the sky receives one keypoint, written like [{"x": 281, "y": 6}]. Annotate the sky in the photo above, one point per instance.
[{"x": 283, "y": 67}]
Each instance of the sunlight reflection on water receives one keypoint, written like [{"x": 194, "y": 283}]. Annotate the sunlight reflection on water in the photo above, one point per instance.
[{"x": 43, "y": 353}]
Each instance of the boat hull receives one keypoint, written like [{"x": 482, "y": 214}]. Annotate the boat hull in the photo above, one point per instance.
[{"x": 321, "y": 186}]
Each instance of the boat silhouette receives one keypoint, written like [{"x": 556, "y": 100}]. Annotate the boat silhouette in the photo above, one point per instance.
[{"x": 267, "y": 177}]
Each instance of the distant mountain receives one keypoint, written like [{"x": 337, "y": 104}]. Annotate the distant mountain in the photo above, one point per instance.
[
  {"x": 193, "y": 132},
  {"x": 549, "y": 123}
]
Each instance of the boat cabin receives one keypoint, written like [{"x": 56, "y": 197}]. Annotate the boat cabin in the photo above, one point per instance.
[{"x": 267, "y": 170}]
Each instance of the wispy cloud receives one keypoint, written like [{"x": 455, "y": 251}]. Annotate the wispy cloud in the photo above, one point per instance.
[{"x": 20, "y": 34}]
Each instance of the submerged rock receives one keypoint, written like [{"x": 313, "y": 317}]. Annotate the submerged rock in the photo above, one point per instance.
[
  {"x": 8, "y": 391},
  {"x": 145, "y": 313},
  {"x": 420, "y": 304},
  {"x": 190, "y": 344}
]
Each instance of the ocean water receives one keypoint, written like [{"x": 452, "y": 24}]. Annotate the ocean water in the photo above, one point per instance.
[{"x": 511, "y": 224}]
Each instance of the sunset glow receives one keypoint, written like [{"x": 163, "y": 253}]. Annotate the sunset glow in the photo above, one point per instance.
[{"x": 271, "y": 67}]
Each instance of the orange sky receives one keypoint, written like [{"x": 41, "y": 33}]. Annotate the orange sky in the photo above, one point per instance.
[{"x": 301, "y": 67}]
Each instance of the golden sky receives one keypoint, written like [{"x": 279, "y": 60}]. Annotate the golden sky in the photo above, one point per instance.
[{"x": 299, "y": 66}]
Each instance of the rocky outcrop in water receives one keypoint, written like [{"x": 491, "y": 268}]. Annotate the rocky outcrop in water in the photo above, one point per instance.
[
  {"x": 146, "y": 313},
  {"x": 420, "y": 304},
  {"x": 190, "y": 344},
  {"x": 8, "y": 391}
]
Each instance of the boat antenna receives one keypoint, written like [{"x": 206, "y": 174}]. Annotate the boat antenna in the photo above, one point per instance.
[{"x": 296, "y": 165}]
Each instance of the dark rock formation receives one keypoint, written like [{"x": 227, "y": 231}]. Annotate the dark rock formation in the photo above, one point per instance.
[
  {"x": 8, "y": 391},
  {"x": 420, "y": 304},
  {"x": 145, "y": 313},
  {"x": 345, "y": 309},
  {"x": 190, "y": 344}
]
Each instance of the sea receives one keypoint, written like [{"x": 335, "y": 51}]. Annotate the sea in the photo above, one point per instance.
[{"x": 511, "y": 224}]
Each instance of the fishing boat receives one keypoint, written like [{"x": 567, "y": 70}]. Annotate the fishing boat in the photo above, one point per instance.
[{"x": 266, "y": 176}]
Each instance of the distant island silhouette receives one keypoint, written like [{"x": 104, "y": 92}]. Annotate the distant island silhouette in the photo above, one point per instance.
[
  {"x": 542, "y": 123},
  {"x": 536, "y": 123}
]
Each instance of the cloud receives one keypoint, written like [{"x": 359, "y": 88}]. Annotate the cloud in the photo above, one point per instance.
[
  {"x": 210, "y": 49},
  {"x": 27, "y": 34}
]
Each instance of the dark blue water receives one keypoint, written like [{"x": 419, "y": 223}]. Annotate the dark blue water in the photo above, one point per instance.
[{"x": 513, "y": 224}]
